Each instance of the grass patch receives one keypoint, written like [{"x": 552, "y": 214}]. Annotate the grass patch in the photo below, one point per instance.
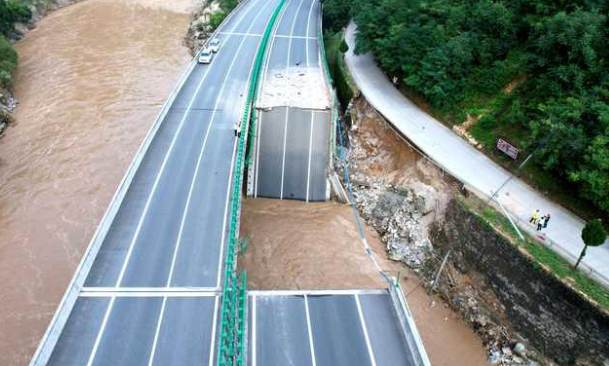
[{"x": 541, "y": 254}]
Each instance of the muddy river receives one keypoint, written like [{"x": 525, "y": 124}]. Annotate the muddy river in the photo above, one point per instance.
[{"x": 91, "y": 80}]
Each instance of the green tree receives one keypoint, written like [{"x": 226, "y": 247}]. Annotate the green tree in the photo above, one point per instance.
[
  {"x": 336, "y": 14},
  {"x": 594, "y": 172},
  {"x": 594, "y": 235}
]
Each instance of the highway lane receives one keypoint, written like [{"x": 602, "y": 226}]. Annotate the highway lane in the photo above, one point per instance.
[
  {"x": 185, "y": 337},
  {"x": 171, "y": 226},
  {"x": 325, "y": 328},
  {"x": 150, "y": 295},
  {"x": 292, "y": 143}
]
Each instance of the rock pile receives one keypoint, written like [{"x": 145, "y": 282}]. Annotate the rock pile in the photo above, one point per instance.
[
  {"x": 401, "y": 195},
  {"x": 395, "y": 212}
]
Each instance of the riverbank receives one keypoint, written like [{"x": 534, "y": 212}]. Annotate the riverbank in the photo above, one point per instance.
[
  {"x": 24, "y": 17},
  {"x": 84, "y": 110}
]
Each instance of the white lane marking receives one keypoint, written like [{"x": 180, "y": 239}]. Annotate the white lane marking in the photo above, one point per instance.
[
  {"x": 232, "y": 168},
  {"x": 100, "y": 333},
  {"x": 156, "y": 333},
  {"x": 260, "y": 35},
  {"x": 150, "y": 294},
  {"x": 307, "y": 37},
  {"x": 230, "y": 176},
  {"x": 287, "y": 68},
  {"x": 311, "y": 345},
  {"x": 192, "y": 187},
  {"x": 254, "y": 323},
  {"x": 156, "y": 182},
  {"x": 165, "y": 159},
  {"x": 264, "y": 76},
  {"x": 257, "y": 160},
  {"x": 241, "y": 34},
  {"x": 316, "y": 292},
  {"x": 266, "y": 66},
  {"x": 148, "y": 289},
  {"x": 215, "y": 316},
  {"x": 285, "y": 138},
  {"x": 365, "y": 329},
  {"x": 213, "y": 333},
  {"x": 293, "y": 37},
  {"x": 287, "y": 71},
  {"x": 310, "y": 149}
]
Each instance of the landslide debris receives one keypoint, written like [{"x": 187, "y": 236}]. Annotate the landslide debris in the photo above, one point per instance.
[{"x": 403, "y": 195}]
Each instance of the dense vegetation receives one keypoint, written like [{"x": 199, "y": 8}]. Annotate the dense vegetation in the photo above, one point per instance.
[
  {"x": 461, "y": 56},
  {"x": 10, "y": 12},
  {"x": 335, "y": 48},
  {"x": 226, "y": 6}
]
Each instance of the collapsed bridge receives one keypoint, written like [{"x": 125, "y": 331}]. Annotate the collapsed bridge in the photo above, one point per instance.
[{"x": 159, "y": 284}]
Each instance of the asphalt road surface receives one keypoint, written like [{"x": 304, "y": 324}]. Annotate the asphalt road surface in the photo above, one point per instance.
[
  {"x": 171, "y": 225},
  {"x": 149, "y": 295},
  {"x": 292, "y": 143},
  {"x": 358, "y": 329}
]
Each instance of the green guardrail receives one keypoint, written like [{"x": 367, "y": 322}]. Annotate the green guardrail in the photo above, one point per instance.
[
  {"x": 231, "y": 347},
  {"x": 328, "y": 76}
]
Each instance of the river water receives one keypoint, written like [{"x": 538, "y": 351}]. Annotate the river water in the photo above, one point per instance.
[{"x": 92, "y": 78}]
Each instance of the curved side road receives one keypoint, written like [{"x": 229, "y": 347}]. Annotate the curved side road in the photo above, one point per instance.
[{"x": 470, "y": 166}]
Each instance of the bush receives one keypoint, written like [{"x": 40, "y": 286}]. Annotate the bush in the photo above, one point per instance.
[
  {"x": 8, "y": 63},
  {"x": 21, "y": 13},
  {"x": 216, "y": 19},
  {"x": 11, "y": 12}
]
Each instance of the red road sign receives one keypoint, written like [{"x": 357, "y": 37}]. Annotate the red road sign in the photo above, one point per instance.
[{"x": 509, "y": 149}]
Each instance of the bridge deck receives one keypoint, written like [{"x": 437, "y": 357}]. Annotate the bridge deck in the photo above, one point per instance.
[
  {"x": 351, "y": 329},
  {"x": 134, "y": 333},
  {"x": 147, "y": 290},
  {"x": 292, "y": 141},
  {"x": 166, "y": 229}
]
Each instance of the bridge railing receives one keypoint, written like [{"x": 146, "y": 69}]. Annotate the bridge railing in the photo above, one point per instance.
[
  {"x": 60, "y": 318},
  {"x": 231, "y": 347}
]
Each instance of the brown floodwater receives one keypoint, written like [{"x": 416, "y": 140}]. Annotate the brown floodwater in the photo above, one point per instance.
[
  {"x": 293, "y": 246},
  {"x": 91, "y": 80}
]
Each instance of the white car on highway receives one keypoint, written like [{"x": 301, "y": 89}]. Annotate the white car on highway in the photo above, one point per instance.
[
  {"x": 214, "y": 45},
  {"x": 205, "y": 56}
]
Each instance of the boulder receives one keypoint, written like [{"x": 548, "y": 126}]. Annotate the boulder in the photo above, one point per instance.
[{"x": 520, "y": 349}]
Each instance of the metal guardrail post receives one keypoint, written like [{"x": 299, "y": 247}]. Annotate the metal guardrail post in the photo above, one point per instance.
[{"x": 231, "y": 349}]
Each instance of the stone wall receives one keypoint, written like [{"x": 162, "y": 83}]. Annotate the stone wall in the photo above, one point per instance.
[{"x": 553, "y": 318}]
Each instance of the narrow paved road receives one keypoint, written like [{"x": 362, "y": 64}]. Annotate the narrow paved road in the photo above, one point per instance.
[{"x": 469, "y": 165}]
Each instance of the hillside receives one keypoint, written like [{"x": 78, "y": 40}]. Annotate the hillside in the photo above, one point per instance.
[{"x": 531, "y": 72}]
